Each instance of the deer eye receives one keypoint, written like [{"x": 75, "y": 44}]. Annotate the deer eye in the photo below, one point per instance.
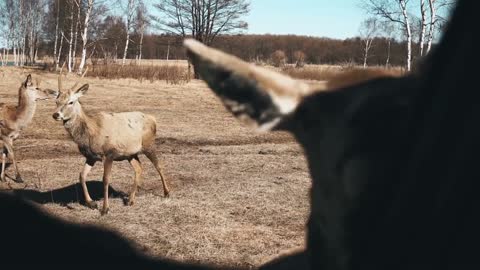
[{"x": 70, "y": 103}]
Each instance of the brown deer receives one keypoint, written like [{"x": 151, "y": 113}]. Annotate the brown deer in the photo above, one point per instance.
[
  {"x": 107, "y": 137},
  {"x": 393, "y": 161},
  {"x": 15, "y": 118}
]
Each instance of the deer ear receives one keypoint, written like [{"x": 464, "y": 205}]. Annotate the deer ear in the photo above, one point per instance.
[
  {"x": 82, "y": 90},
  {"x": 52, "y": 93},
  {"x": 28, "y": 81},
  {"x": 258, "y": 96}
]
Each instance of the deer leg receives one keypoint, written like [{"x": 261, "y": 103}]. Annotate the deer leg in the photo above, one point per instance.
[
  {"x": 83, "y": 178},
  {"x": 107, "y": 169},
  {"x": 137, "y": 166},
  {"x": 153, "y": 158},
  {"x": 4, "y": 157},
  {"x": 9, "y": 145}
]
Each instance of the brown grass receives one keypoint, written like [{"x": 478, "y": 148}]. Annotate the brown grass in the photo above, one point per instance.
[
  {"x": 327, "y": 72},
  {"x": 173, "y": 74},
  {"x": 238, "y": 197}
]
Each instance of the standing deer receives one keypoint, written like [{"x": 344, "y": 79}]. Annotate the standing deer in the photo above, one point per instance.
[
  {"x": 393, "y": 161},
  {"x": 107, "y": 137},
  {"x": 15, "y": 118}
]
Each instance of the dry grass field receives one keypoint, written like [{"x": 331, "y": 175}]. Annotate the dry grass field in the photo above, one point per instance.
[{"x": 238, "y": 198}]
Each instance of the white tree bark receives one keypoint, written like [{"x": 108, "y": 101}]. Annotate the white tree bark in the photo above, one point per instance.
[
  {"x": 140, "y": 44},
  {"x": 56, "y": 35},
  {"x": 14, "y": 55},
  {"x": 368, "y": 32},
  {"x": 85, "y": 36},
  {"x": 367, "y": 45},
  {"x": 70, "y": 41},
  {"x": 130, "y": 11},
  {"x": 431, "y": 31},
  {"x": 60, "y": 48},
  {"x": 403, "y": 6},
  {"x": 387, "y": 62},
  {"x": 79, "y": 7},
  {"x": 423, "y": 26}
]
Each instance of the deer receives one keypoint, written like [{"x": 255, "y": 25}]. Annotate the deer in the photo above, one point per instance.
[
  {"x": 393, "y": 160},
  {"x": 15, "y": 118},
  {"x": 107, "y": 137}
]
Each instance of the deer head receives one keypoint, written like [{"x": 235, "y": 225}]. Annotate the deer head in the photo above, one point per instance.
[
  {"x": 67, "y": 101},
  {"x": 35, "y": 92}
]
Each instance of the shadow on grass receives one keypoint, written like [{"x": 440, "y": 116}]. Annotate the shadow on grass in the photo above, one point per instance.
[{"x": 69, "y": 194}]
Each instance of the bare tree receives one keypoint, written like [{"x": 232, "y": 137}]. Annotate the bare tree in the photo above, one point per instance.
[
  {"x": 394, "y": 11},
  {"x": 278, "y": 58},
  {"x": 299, "y": 58},
  {"x": 202, "y": 20},
  {"x": 22, "y": 21},
  {"x": 423, "y": 26},
  {"x": 130, "y": 12},
  {"x": 387, "y": 30},
  {"x": 434, "y": 6},
  {"x": 70, "y": 40},
  {"x": 78, "y": 3},
  {"x": 57, "y": 21},
  {"x": 86, "y": 24},
  {"x": 141, "y": 23},
  {"x": 368, "y": 31}
]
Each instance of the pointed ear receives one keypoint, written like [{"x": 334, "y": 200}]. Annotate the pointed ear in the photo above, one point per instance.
[
  {"x": 81, "y": 91},
  {"x": 258, "y": 96},
  {"x": 52, "y": 93},
  {"x": 28, "y": 81}
]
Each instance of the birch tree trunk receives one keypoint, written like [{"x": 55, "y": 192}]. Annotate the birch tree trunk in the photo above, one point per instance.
[
  {"x": 79, "y": 6},
  {"x": 60, "y": 49},
  {"x": 403, "y": 6},
  {"x": 3, "y": 58},
  {"x": 85, "y": 36},
  {"x": 56, "y": 36},
  {"x": 431, "y": 31},
  {"x": 14, "y": 55},
  {"x": 24, "y": 45},
  {"x": 387, "y": 62},
  {"x": 423, "y": 11},
  {"x": 70, "y": 42},
  {"x": 130, "y": 12},
  {"x": 140, "y": 47},
  {"x": 366, "y": 49}
]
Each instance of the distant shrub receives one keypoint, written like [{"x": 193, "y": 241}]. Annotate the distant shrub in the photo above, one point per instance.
[
  {"x": 299, "y": 58},
  {"x": 278, "y": 58}
]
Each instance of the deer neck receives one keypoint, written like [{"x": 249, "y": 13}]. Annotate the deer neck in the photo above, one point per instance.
[
  {"x": 25, "y": 109},
  {"x": 81, "y": 127}
]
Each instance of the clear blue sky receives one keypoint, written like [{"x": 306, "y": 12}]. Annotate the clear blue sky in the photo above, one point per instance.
[{"x": 321, "y": 18}]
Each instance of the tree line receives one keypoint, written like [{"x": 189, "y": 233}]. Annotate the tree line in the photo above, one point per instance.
[{"x": 73, "y": 31}]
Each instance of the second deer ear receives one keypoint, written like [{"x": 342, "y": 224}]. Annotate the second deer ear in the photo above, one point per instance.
[
  {"x": 28, "y": 81},
  {"x": 82, "y": 90},
  {"x": 258, "y": 96}
]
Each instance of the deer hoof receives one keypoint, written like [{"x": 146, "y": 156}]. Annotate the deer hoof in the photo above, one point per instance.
[
  {"x": 130, "y": 202},
  {"x": 166, "y": 194},
  {"x": 104, "y": 211},
  {"x": 18, "y": 179},
  {"x": 91, "y": 204}
]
